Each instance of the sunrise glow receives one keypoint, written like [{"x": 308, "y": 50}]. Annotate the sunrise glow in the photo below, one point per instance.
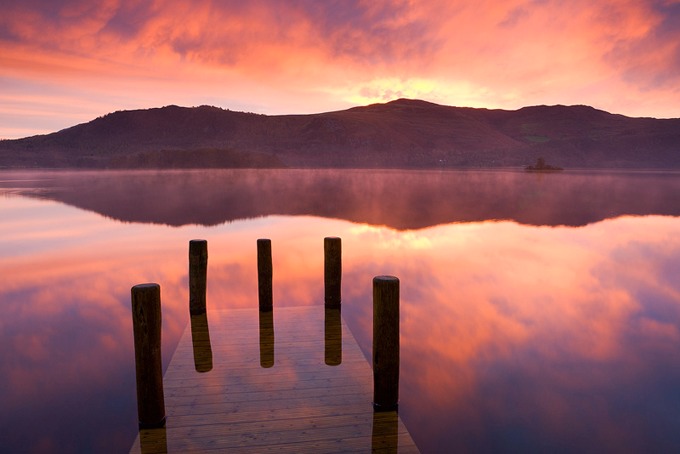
[{"x": 65, "y": 62}]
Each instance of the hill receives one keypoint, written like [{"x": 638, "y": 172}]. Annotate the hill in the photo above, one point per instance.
[{"x": 398, "y": 134}]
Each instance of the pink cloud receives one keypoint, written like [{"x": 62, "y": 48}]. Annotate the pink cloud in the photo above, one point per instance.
[
  {"x": 496, "y": 316},
  {"x": 308, "y": 56}
]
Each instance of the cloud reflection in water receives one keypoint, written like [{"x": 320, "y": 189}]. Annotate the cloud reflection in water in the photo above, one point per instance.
[{"x": 513, "y": 336}]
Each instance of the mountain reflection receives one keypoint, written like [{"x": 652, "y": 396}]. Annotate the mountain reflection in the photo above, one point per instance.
[
  {"x": 398, "y": 199},
  {"x": 513, "y": 337}
]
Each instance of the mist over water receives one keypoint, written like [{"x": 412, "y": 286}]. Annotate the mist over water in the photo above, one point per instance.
[
  {"x": 538, "y": 312},
  {"x": 394, "y": 198}
]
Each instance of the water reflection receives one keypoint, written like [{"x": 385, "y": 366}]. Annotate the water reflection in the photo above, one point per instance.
[
  {"x": 153, "y": 441},
  {"x": 544, "y": 340},
  {"x": 266, "y": 339},
  {"x": 332, "y": 336},
  {"x": 200, "y": 339},
  {"x": 513, "y": 336},
  {"x": 385, "y": 437},
  {"x": 398, "y": 199}
]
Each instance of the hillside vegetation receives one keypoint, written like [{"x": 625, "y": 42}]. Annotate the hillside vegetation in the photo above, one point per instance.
[{"x": 398, "y": 134}]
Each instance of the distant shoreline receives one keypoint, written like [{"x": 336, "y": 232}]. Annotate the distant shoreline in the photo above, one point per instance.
[
  {"x": 573, "y": 171},
  {"x": 401, "y": 134}
]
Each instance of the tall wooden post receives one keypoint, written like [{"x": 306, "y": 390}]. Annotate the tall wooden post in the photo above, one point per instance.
[
  {"x": 264, "y": 274},
  {"x": 146, "y": 325},
  {"x": 385, "y": 343},
  {"x": 198, "y": 275},
  {"x": 332, "y": 276}
]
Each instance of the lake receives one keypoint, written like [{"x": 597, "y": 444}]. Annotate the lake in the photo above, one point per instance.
[{"x": 539, "y": 312}]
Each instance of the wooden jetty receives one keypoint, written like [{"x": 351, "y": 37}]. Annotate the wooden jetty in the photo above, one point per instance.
[{"x": 288, "y": 380}]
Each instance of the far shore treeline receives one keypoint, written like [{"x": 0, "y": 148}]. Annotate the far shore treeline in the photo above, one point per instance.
[{"x": 408, "y": 134}]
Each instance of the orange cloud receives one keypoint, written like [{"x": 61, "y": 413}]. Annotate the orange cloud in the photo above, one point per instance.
[{"x": 309, "y": 56}]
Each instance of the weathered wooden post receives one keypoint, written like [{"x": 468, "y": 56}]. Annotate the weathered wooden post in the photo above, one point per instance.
[
  {"x": 198, "y": 274},
  {"x": 264, "y": 274},
  {"x": 385, "y": 343},
  {"x": 146, "y": 325},
  {"x": 332, "y": 271}
]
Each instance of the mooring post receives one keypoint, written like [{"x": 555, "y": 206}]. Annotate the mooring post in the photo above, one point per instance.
[
  {"x": 198, "y": 275},
  {"x": 332, "y": 271},
  {"x": 385, "y": 343},
  {"x": 264, "y": 274},
  {"x": 146, "y": 325}
]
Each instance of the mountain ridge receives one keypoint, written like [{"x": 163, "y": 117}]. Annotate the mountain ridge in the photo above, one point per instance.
[{"x": 403, "y": 133}]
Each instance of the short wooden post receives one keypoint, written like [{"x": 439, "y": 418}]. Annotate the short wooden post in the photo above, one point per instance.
[
  {"x": 198, "y": 274},
  {"x": 146, "y": 325},
  {"x": 264, "y": 274},
  {"x": 332, "y": 247},
  {"x": 385, "y": 343}
]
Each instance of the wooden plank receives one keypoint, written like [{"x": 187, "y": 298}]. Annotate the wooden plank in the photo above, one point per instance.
[{"x": 297, "y": 403}]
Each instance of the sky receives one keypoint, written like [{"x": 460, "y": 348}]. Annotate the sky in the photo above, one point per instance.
[{"x": 64, "y": 62}]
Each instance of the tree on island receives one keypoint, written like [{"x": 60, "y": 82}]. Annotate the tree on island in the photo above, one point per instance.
[{"x": 541, "y": 166}]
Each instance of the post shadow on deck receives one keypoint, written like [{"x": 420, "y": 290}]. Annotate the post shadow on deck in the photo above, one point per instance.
[
  {"x": 146, "y": 325},
  {"x": 153, "y": 441},
  {"x": 198, "y": 278},
  {"x": 332, "y": 333},
  {"x": 200, "y": 341},
  {"x": 385, "y": 432},
  {"x": 385, "y": 343},
  {"x": 266, "y": 339}
]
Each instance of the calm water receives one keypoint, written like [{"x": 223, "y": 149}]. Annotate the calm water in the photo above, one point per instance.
[{"x": 539, "y": 313}]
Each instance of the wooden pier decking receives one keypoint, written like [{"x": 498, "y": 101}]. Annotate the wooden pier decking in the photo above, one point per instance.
[{"x": 292, "y": 380}]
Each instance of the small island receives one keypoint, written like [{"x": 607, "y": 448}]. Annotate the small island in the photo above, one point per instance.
[{"x": 541, "y": 166}]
